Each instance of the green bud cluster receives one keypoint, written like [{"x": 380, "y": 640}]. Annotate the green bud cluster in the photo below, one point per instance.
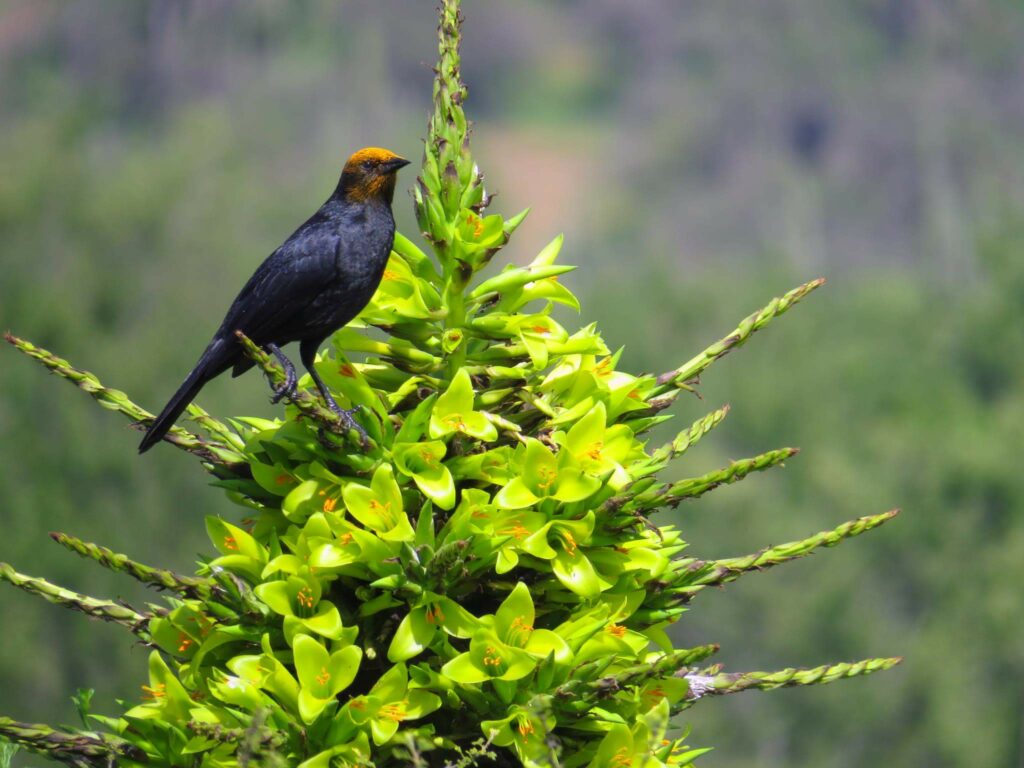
[{"x": 485, "y": 581}]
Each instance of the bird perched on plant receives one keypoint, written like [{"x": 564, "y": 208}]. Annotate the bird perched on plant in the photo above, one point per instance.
[{"x": 316, "y": 282}]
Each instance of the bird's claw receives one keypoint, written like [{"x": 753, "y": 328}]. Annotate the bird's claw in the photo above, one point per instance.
[
  {"x": 347, "y": 419},
  {"x": 287, "y": 389}
]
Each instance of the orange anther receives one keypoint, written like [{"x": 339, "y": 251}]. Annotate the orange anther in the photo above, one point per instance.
[
  {"x": 616, "y": 630},
  {"x": 158, "y": 691}
]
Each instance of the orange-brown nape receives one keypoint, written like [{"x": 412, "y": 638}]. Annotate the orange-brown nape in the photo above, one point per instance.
[{"x": 370, "y": 173}]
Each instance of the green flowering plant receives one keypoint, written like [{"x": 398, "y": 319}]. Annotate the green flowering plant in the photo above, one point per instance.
[{"x": 486, "y": 582}]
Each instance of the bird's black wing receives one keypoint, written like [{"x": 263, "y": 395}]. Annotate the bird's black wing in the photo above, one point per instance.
[{"x": 272, "y": 305}]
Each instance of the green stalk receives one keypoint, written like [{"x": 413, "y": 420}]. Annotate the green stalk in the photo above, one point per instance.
[
  {"x": 223, "y": 459},
  {"x": 106, "y": 610},
  {"x": 734, "y": 682},
  {"x": 77, "y": 749},
  {"x": 684, "y": 375},
  {"x": 665, "y": 494},
  {"x": 189, "y": 586},
  {"x": 450, "y": 184},
  {"x": 685, "y": 440},
  {"x": 309, "y": 405},
  {"x": 582, "y": 691},
  {"x": 700, "y": 574}
]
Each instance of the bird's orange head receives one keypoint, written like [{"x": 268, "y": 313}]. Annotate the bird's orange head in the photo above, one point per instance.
[{"x": 370, "y": 175}]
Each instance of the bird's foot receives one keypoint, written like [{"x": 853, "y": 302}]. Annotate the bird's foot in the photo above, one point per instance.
[
  {"x": 288, "y": 389},
  {"x": 291, "y": 380},
  {"x": 347, "y": 419}
]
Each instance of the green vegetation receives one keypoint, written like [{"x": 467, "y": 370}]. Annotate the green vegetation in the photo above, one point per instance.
[
  {"x": 149, "y": 168},
  {"x": 485, "y": 581}
]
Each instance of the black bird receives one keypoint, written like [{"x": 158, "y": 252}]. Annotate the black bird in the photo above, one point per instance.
[{"x": 316, "y": 282}]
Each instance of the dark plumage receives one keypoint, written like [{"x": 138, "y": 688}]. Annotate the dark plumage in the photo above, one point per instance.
[{"x": 316, "y": 282}]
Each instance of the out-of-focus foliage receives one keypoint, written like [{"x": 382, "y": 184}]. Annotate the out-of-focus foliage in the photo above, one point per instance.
[{"x": 153, "y": 153}]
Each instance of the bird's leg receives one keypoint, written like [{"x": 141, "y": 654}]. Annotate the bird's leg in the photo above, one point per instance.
[
  {"x": 291, "y": 379},
  {"x": 307, "y": 353}
]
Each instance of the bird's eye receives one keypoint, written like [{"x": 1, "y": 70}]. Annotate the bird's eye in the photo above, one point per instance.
[{"x": 367, "y": 165}]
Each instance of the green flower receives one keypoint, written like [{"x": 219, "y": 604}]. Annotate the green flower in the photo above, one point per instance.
[
  {"x": 510, "y": 648},
  {"x": 297, "y": 598},
  {"x": 523, "y": 730},
  {"x": 166, "y": 697},
  {"x": 322, "y": 675},
  {"x": 432, "y": 613},
  {"x": 379, "y": 507},
  {"x": 503, "y": 530},
  {"x": 240, "y": 552},
  {"x": 401, "y": 295},
  {"x": 268, "y": 673},
  {"x": 422, "y": 462},
  {"x": 453, "y": 412},
  {"x": 492, "y": 466},
  {"x": 543, "y": 475},
  {"x": 390, "y": 703},
  {"x": 560, "y": 542},
  {"x": 601, "y": 450}
]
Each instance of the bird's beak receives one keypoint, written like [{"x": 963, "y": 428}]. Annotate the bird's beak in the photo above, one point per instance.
[{"x": 394, "y": 164}]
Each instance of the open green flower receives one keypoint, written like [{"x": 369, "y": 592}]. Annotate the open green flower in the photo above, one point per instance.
[
  {"x": 401, "y": 295},
  {"x": 354, "y": 752},
  {"x": 510, "y": 648},
  {"x": 513, "y": 623},
  {"x": 433, "y": 613},
  {"x": 322, "y": 675},
  {"x": 240, "y": 552},
  {"x": 297, "y": 598},
  {"x": 523, "y": 730},
  {"x": 644, "y": 744},
  {"x": 166, "y": 698},
  {"x": 560, "y": 542},
  {"x": 422, "y": 462},
  {"x": 390, "y": 703},
  {"x": 601, "y": 450},
  {"x": 543, "y": 475},
  {"x": 612, "y": 640},
  {"x": 493, "y": 466},
  {"x": 379, "y": 507},
  {"x": 503, "y": 530},
  {"x": 453, "y": 412},
  {"x": 268, "y": 673}
]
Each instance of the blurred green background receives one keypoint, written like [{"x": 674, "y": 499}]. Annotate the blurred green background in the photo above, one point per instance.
[{"x": 701, "y": 157}]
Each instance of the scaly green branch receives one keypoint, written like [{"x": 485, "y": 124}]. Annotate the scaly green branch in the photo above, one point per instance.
[
  {"x": 224, "y": 460},
  {"x": 685, "y": 440},
  {"x": 99, "y": 609},
  {"x": 670, "y": 494},
  {"x": 214, "y": 426},
  {"x": 189, "y": 586},
  {"x": 308, "y": 404},
  {"x": 721, "y": 683},
  {"x": 69, "y": 748},
  {"x": 696, "y": 575},
  {"x": 682, "y": 376},
  {"x": 583, "y": 693}
]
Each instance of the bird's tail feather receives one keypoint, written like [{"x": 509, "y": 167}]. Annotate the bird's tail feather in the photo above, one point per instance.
[{"x": 205, "y": 370}]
